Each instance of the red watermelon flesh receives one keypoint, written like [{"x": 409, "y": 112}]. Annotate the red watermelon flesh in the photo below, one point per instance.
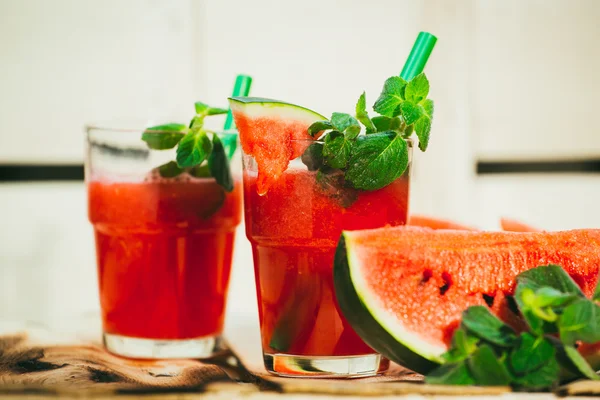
[
  {"x": 513, "y": 225},
  {"x": 436, "y": 223},
  {"x": 423, "y": 279},
  {"x": 273, "y": 133}
]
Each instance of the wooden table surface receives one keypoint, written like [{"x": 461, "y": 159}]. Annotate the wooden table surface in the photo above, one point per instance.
[{"x": 40, "y": 364}]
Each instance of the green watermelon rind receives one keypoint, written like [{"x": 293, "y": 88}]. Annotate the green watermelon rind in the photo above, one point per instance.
[
  {"x": 258, "y": 106},
  {"x": 377, "y": 328}
]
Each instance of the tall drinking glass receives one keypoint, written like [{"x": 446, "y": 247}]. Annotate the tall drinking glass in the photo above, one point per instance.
[
  {"x": 294, "y": 229},
  {"x": 164, "y": 243}
]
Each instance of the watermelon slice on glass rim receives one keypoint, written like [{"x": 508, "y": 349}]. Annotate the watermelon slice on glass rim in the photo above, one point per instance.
[{"x": 273, "y": 133}]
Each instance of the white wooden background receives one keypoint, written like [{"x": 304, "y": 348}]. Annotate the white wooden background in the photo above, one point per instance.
[{"x": 512, "y": 79}]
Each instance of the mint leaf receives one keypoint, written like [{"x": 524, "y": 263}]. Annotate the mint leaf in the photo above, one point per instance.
[
  {"x": 545, "y": 377},
  {"x": 197, "y": 123},
  {"x": 552, "y": 276},
  {"x": 345, "y": 123},
  {"x": 218, "y": 164},
  {"x": 486, "y": 369},
  {"x": 383, "y": 123},
  {"x": 336, "y": 150},
  {"x": 410, "y": 112},
  {"x": 580, "y": 321},
  {"x": 377, "y": 160},
  {"x": 166, "y": 136},
  {"x": 313, "y": 156},
  {"x": 362, "y": 115},
  {"x": 319, "y": 126},
  {"x": 538, "y": 307},
  {"x": 550, "y": 297},
  {"x": 170, "y": 170},
  {"x": 193, "y": 149},
  {"x": 451, "y": 374},
  {"x": 463, "y": 345},
  {"x": 530, "y": 353},
  {"x": 333, "y": 184},
  {"x": 580, "y": 363},
  {"x": 391, "y": 97},
  {"x": 205, "y": 109},
  {"x": 417, "y": 89},
  {"x": 479, "y": 321},
  {"x": 423, "y": 124},
  {"x": 200, "y": 171},
  {"x": 201, "y": 107}
]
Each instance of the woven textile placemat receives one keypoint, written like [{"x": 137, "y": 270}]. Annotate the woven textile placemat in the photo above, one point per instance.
[{"x": 31, "y": 365}]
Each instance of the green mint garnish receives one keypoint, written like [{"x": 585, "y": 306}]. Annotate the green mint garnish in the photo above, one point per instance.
[
  {"x": 170, "y": 170},
  {"x": 377, "y": 160},
  {"x": 408, "y": 100},
  {"x": 218, "y": 164},
  {"x": 193, "y": 149},
  {"x": 203, "y": 109},
  {"x": 345, "y": 123},
  {"x": 336, "y": 150},
  {"x": 383, "y": 123},
  {"x": 485, "y": 351},
  {"x": 313, "y": 156},
  {"x": 363, "y": 116},
  {"x": 391, "y": 97},
  {"x": 463, "y": 345},
  {"x": 580, "y": 321},
  {"x": 319, "y": 126},
  {"x": 380, "y": 156},
  {"x": 197, "y": 153},
  {"x": 486, "y": 367},
  {"x": 479, "y": 321},
  {"x": 162, "y": 137},
  {"x": 452, "y": 373},
  {"x": 334, "y": 185},
  {"x": 543, "y": 378},
  {"x": 580, "y": 363},
  {"x": 530, "y": 353},
  {"x": 200, "y": 171}
]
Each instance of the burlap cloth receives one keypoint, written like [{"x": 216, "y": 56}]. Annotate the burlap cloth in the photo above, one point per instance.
[{"x": 34, "y": 365}]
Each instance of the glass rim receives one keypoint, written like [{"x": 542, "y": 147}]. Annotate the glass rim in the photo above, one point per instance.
[
  {"x": 410, "y": 141},
  {"x": 88, "y": 128}
]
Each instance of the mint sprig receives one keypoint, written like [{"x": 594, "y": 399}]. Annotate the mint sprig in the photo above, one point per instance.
[
  {"x": 380, "y": 156},
  {"x": 162, "y": 137},
  {"x": 197, "y": 153},
  {"x": 409, "y": 101},
  {"x": 486, "y": 351}
]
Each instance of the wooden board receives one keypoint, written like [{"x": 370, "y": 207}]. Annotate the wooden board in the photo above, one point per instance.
[{"x": 30, "y": 368}]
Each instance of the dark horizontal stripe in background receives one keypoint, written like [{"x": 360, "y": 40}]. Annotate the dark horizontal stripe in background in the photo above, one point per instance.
[
  {"x": 539, "y": 167},
  {"x": 36, "y": 173},
  {"x": 73, "y": 172}
]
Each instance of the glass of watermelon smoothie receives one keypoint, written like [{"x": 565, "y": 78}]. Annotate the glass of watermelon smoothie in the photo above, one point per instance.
[
  {"x": 164, "y": 241},
  {"x": 295, "y": 210}
]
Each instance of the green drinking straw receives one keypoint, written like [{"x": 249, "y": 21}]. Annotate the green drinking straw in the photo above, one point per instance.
[
  {"x": 415, "y": 63},
  {"x": 241, "y": 88}
]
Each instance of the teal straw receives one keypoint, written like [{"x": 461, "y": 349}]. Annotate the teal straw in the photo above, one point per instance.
[
  {"x": 415, "y": 63},
  {"x": 241, "y": 88}
]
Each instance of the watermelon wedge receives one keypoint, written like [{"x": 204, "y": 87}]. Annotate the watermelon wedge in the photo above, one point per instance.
[
  {"x": 512, "y": 225},
  {"x": 436, "y": 223},
  {"x": 403, "y": 289},
  {"x": 268, "y": 130}
]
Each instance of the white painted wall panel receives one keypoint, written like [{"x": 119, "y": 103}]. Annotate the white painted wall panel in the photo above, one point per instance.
[
  {"x": 535, "y": 83},
  {"x": 65, "y": 63},
  {"x": 550, "y": 202}
]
